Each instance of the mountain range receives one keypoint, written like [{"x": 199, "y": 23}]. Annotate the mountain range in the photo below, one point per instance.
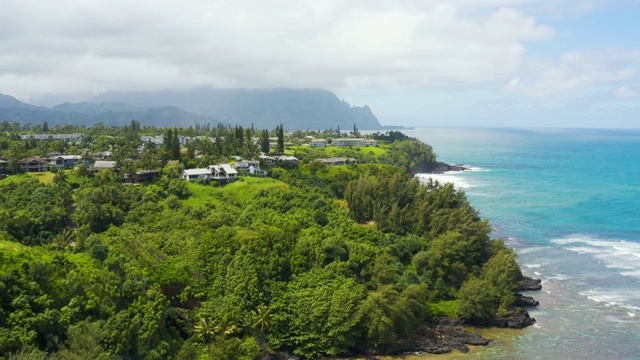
[{"x": 297, "y": 109}]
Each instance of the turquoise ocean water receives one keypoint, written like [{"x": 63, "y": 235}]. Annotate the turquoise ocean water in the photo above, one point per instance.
[{"x": 568, "y": 201}]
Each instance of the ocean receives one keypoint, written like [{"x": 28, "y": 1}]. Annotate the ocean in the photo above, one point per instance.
[{"x": 568, "y": 201}]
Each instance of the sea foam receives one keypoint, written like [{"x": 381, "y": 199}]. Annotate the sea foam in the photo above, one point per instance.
[
  {"x": 458, "y": 181},
  {"x": 614, "y": 254}
]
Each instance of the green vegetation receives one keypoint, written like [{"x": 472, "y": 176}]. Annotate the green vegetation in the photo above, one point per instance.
[{"x": 315, "y": 260}]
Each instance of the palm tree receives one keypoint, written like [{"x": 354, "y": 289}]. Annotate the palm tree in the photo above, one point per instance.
[
  {"x": 63, "y": 239},
  {"x": 206, "y": 330},
  {"x": 262, "y": 318}
]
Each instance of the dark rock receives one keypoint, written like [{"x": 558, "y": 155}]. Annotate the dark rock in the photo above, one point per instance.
[
  {"x": 529, "y": 284},
  {"x": 517, "y": 319},
  {"x": 438, "y": 336},
  {"x": 439, "y": 168},
  {"x": 522, "y": 300}
]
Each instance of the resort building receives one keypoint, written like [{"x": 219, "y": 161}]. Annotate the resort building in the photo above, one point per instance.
[
  {"x": 354, "y": 142},
  {"x": 318, "y": 143}
]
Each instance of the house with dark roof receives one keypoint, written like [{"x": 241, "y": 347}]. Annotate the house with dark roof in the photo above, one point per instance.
[{"x": 34, "y": 164}]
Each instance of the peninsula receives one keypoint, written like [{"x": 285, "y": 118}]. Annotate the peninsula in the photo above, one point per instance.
[{"x": 238, "y": 243}]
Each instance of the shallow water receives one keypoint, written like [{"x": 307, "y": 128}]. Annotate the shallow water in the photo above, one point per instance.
[{"x": 568, "y": 201}]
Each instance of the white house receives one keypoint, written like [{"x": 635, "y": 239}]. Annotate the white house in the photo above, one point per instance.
[
  {"x": 195, "y": 174},
  {"x": 223, "y": 172},
  {"x": 68, "y": 161}
]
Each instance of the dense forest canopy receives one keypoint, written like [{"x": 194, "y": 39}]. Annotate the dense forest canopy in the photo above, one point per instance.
[{"x": 313, "y": 260}]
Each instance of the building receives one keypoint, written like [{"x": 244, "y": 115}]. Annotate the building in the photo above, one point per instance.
[
  {"x": 34, "y": 164},
  {"x": 196, "y": 174},
  {"x": 223, "y": 173},
  {"x": 349, "y": 142},
  {"x": 269, "y": 160},
  {"x": 75, "y": 138},
  {"x": 102, "y": 155},
  {"x": 318, "y": 143},
  {"x": 337, "y": 161},
  {"x": 67, "y": 161},
  {"x": 103, "y": 164},
  {"x": 145, "y": 176},
  {"x": 251, "y": 167},
  {"x": 287, "y": 158}
]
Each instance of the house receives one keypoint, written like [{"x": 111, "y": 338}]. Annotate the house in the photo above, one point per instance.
[
  {"x": 102, "y": 155},
  {"x": 103, "y": 164},
  {"x": 255, "y": 170},
  {"x": 223, "y": 172},
  {"x": 155, "y": 140},
  {"x": 251, "y": 167},
  {"x": 318, "y": 143},
  {"x": 67, "y": 161},
  {"x": 270, "y": 160},
  {"x": 287, "y": 158},
  {"x": 145, "y": 176},
  {"x": 335, "y": 161},
  {"x": 195, "y": 174},
  {"x": 34, "y": 164},
  {"x": 245, "y": 164}
]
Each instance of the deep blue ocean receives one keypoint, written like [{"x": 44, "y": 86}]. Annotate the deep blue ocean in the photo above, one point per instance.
[{"x": 568, "y": 201}]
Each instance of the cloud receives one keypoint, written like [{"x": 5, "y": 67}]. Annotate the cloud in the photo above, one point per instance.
[
  {"x": 577, "y": 71},
  {"x": 74, "y": 47}
]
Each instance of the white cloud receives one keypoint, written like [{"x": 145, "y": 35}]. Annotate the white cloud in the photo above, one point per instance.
[
  {"x": 576, "y": 71},
  {"x": 72, "y": 46}
]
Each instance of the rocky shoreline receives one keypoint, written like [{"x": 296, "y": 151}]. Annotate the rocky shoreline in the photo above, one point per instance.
[
  {"x": 440, "y": 168},
  {"x": 443, "y": 335}
]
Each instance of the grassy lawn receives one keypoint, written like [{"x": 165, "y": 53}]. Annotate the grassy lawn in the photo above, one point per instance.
[
  {"x": 44, "y": 177},
  {"x": 244, "y": 189}
]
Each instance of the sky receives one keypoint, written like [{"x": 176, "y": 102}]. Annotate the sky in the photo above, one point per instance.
[{"x": 514, "y": 63}]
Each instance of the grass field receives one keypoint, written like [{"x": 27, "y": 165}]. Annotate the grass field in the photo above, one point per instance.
[
  {"x": 44, "y": 177},
  {"x": 333, "y": 151},
  {"x": 244, "y": 189}
]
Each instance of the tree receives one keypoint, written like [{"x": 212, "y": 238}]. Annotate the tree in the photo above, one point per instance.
[
  {"x": 85, "y": 340},
  {"x": 262, "y": 318},
  {"x": 175, "y": 146},
  {"x": 63, "y": 239},
  {"x": 45, "y": 127},
  {"x": 264, "y": 141},
  {"x": 478, "y": 301},
  {"x": 280, "y": 135}
]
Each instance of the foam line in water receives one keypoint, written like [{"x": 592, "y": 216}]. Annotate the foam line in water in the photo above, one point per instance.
[
  {"x": 457, "y": 181},
  {"x": 614, "y": 254}
]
